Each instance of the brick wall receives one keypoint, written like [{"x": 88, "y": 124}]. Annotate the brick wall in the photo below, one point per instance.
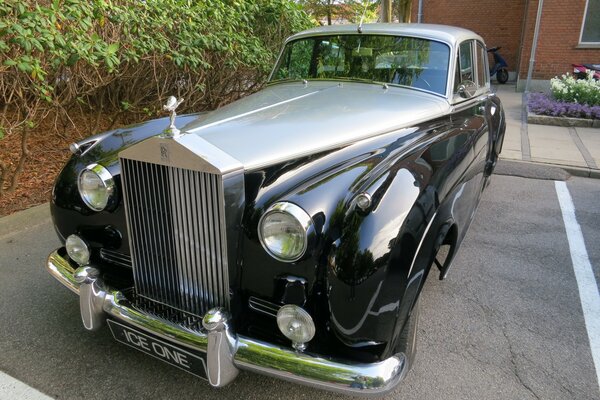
[
  {"x": 558, "y": 39},
  {"x": 499, "y": 23}
]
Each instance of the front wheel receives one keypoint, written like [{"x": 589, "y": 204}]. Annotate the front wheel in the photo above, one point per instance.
[{"x": 502, "y": 75}]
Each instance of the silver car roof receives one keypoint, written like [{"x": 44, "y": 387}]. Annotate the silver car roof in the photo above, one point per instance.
[{"x": 449, "y": 34}]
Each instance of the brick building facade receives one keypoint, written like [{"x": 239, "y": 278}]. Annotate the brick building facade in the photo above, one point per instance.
[{"x": 511, "y": 24}]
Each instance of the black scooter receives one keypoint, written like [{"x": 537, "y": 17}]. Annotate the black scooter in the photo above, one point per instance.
[{"x": 500, "y": 66}]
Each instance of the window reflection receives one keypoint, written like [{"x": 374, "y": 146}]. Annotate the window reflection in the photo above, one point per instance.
[{"x": 395, "y": 60}]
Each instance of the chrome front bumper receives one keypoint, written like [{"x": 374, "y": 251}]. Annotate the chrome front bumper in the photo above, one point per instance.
[{"x": 227, "y": 352}]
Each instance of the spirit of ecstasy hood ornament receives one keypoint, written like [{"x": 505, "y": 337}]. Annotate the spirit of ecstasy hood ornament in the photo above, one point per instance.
[{"x": 171, "y": 106}]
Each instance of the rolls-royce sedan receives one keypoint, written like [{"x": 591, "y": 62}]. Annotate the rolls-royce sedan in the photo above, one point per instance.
[{"x": 288, "y": 233}]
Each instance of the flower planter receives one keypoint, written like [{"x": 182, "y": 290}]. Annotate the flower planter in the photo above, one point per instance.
[
  {"x": 562, "y": 113},
  {"x": 562, "y": 121}
]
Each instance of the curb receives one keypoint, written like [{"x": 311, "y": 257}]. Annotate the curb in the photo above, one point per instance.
[
  {"x": 25, "y": 219},
  {"x": 583, "y": 172},
  {"x": 562, "y": 121}
]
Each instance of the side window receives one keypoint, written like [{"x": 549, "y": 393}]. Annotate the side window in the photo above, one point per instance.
[
  {"x": 464, "y": 64},
  {"x": 483, "y": 75}
]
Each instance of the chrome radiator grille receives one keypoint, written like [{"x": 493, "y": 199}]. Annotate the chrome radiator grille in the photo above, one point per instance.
[{"x": 177, "y": 233}]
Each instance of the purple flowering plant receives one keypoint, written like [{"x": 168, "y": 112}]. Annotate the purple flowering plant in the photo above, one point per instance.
[
  {"x": 542, "y": 104},
  {"x": 571, "y": 97}
]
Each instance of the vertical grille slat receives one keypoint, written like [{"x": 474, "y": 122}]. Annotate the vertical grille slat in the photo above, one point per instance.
[
  {"x": 205, "y": 241},
  {"x": 188, "y": 281},
  {"x": 202, "y": 234},
  {"x": 196, "y": 240},
  {"x": 150, "y": 216},
  {"x": 177, "y": 235},
  {"x": 171, "y": 273},
  {"x": 218, "y": 248}
]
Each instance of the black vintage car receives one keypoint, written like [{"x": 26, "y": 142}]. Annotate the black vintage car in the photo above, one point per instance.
[{"x": 289, "y": 233}]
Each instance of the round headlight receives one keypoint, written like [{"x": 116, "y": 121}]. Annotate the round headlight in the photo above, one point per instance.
[
  {"x": 96, "y": 186},
  {"x": 78, "y": 250},
  {"x": 283, "y": 231},
  {"x": 296, "y": 324}
]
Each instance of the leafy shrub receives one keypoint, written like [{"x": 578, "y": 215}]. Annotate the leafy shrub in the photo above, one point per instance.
[
  {"x": 540, "y": 103},
  {"x": 120, "y": 59},
  {"x": 571, "y": 90}
]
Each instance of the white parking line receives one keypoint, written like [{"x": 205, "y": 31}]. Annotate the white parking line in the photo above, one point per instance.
[
  {"x": 588, "y": 289},
  {"x": 13, "y": 389}
]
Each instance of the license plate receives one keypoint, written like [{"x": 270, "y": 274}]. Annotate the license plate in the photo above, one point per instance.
[{"x": 195, "y": 364}]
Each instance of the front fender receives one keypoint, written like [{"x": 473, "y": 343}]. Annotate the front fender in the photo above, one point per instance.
[{"x": 372, "y": 277}]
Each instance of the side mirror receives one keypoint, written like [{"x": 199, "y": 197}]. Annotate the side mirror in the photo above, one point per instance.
[{"x": 467, "y": 89}]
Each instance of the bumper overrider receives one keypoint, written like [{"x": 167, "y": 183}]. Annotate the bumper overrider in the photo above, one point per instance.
[{"x": 226, "y": 352}]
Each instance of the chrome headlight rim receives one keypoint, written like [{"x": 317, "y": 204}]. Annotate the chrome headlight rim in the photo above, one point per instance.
[
  {"x": 107, "y": 180},
  {"x": 303, "y": 219}
]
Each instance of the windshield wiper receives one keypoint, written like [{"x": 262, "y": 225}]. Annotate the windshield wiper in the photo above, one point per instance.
[
  {"x": 288, "y": 80},
  {"x": 362, "y": 80},
  {"x": 347, "y": 79}
]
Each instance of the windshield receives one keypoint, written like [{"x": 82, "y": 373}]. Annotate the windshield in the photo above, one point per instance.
[{"x": 396, "y": 60}]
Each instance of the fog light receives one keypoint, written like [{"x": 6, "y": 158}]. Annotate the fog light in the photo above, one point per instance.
[
  {"x": 78, "y": 250},
  {"x": 296, "y": 324}
]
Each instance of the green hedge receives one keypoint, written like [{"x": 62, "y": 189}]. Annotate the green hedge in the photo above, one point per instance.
[
  {"x": 118, "y": 56},
  {"x": 109, "y": 62}
]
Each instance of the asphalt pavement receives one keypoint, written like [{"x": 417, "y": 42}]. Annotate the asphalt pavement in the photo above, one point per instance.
[{"x": 506, "y": 324}]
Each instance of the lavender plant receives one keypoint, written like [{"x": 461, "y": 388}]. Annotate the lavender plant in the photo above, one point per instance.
[{"x": 542, "y": 104}]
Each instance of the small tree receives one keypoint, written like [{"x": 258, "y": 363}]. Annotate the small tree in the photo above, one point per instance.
[
  {"x": 404, "y": 10},
  {"x": 386, "y": 10},
  {"x": 340, "y": 10}
]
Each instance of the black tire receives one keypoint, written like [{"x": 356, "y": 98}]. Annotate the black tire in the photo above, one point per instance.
[
  {"x": 407, "y": 340},
  {"x": 502, "y": 75}
]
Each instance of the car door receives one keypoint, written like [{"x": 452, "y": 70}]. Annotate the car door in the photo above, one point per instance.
[{"x": 470, "y": 98}]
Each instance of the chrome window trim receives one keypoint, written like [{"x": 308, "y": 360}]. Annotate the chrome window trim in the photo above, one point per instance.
[
  {"x": 457, "y": 100},
  {"x": 486, "y": 65}
]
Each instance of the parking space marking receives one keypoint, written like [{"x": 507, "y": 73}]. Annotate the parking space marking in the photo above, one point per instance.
[
  {"x": 584, "y": 275},
  {"x": 12, "y": 389}
]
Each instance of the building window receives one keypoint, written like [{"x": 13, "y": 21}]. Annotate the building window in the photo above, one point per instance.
[{"x": 590, "y": 31}]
